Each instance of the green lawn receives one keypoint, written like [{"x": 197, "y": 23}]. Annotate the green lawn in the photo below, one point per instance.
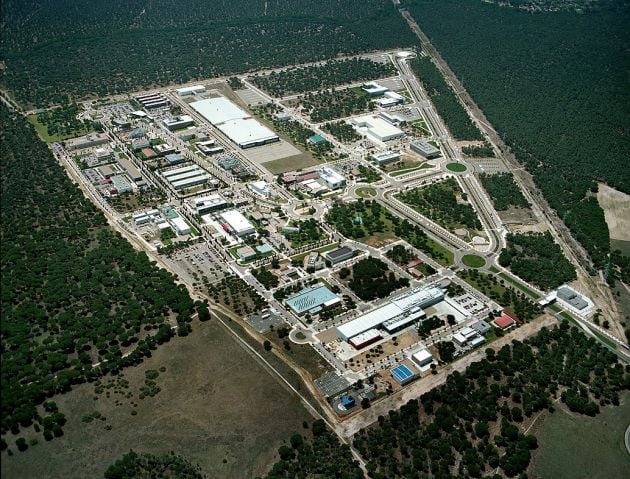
[
  {"x": 436, "y": 247},
  {"x": 581, "y": 447},
  {"x": 366, "y": 192},
  {"x": 404, "y": 171},
  {"x": 473, "y": 261},
  {"x": 456, "y": 167},
  {"x": 323, "y": 249}
]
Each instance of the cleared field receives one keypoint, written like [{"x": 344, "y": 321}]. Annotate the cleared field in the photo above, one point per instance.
[
  {"x": 295, "y": 162},
  {"x": 574, "y": 446},
  {"x": 217, "y": 406}
]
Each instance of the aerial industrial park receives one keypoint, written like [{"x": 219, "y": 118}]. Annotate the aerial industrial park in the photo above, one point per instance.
[{"x": 232, "y": 193}]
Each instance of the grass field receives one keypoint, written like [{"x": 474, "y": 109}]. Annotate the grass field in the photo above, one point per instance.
[
  {"x": 473, "y": 261},
  {"x": 290, "y": 163},
  {"x": 456, "y": 167},
  {"x": 366, "y": 192},
  {"x": 209, "y": 410},
  {"x": 581, "y": 447},
  {"x": 404, "y": 171}
]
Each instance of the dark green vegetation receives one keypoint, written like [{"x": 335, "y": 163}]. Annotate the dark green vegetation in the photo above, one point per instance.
[
  {"x": 539, "y": 80},
  {"x": 61, "y": 123},
  {"x": 202, "y": 412},
  {"x": 509, "y": 298},
  {"x": 265, "y": 277},
  {"x": 428, "y": 325},
  {"x": 309, "y": 232},
  {"x": 473, "y": 261},
  {"x": 331, "y": 104},
  {"x": 371, "y": 279},
  {"x": 503, "y": 191},
  {"x": 342, "y": 131},
  {"x": 451, "y": 424},
  {"x": 471, "y": 425},
  {"x": 537, "y": 259},
  {"x": 401, "y": 255},
  {"x": 456, "y": 167},
  {"x": 448, "y": 106},
  {"x": 368, "y": 175},
  {"x": 416, "y": 237},
  {"x": 439, "y": 202},
  {"x": 484, "y": 151},
  {"x": 360, "y": 219},
  {"x": 236, "y": 294},
  {"x": 74, "y": 292},
  {"x": 322, "y": 456},
  {"x": 53, "y": 49},
  {"x": 144, "y": 466},
  {"x": 317, "y": 77},
  {"x": 571, "y": 445}
]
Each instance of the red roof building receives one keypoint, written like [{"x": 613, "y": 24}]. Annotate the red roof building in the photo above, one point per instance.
[
  {"x": 510, "y": 314},
  {"x": 504, "y": 322}
]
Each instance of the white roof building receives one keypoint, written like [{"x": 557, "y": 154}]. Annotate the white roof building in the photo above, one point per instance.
[
  {"x": 394, "y": 314},
  {"x": 422, "y": 357},
  {"x": 260, "y": 187},
  {"x": 180, "y": 225},
  {"x": 331, "y": 178},
  {"x": 238, "y": 223},
  {"x": 376, "y": 128},
  {"x": 191, "y": 90},
  {"x": 234, "y": 122}
]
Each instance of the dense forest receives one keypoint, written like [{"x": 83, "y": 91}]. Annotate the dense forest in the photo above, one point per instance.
[
  {"x": 74, "y": 292},
  {"x": 538, "y": 259},
  {"x": 555, "y": 85},
  {"x": 442, "y": 202},
  {"x": 145, "y": 466},
  {"x": 371, "y": 279},
  {"x": 503, "y": 191},
  {"x": 470, "y": 426},
  {"x": 54, "y": 49},
  {"x": 317, "y": 77},
  {"x": 448, "y": 106},
  {"x": 331, "y": 104}
]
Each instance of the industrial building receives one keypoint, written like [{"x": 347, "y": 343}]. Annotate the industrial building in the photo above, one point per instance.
[
  {"x": 422, "y": 358},
  {"x": 402, "y": 374},
  {"x": 376, "y": 128},
  {"x": 392, "y": 119},
  {"x": 174, "y": 159},
  {"x": 235, "y": 123},
  {"x": 181, "y": 227},
  {"x": 246, "y": 253},
  {"x": 186, "y": 176},
  {"x": 107, "y": 171},
  {"x": 395, "y": 314},
  {"x": 88, "y": 141},
  {"x": 338, "y": 255},
  {"x": 190, "y": 90},
  {"x": 365, "y": 339},
  {"x": 207, "y": 204},
  {"x": 331, "y": 179},
  {"x": 153, "y": 101},
  {"x": 463, "y": 336},
  {"x": 178, "y": 122},
  {"x": 103, "y": 154},
  {"x": 237, "y": 223},
  {"x": 130, "y": 169},
  {"x": 121, "y": 184},
  {"x": 312, "y": 300},
  {"x": 572, "y": 298},
  {"x": 209, "y": 147},
  {"x": 425, "y": 149},
  {"x": 390, "y": 98},
  {"x": 374, "y": 89},
  {"x": 385, "y": 157},
  {"x": 260, "y": 187}
]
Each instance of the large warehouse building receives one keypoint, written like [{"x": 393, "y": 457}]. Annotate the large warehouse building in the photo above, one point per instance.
[
  {"x": 237, "y": 223},
  {"x": 234, "y": 122},
  {"x": 376, "y": 128},
  {"x": 186, "y": 177},
  {"x": 393, "y": 315},
  {"x": 312, "y": 300}
]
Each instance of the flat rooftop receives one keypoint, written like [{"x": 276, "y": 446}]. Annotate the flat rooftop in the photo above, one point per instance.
[{"x": 310, "y": 298}]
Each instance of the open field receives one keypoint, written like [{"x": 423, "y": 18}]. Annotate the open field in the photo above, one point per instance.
[
  {"x": 209, "y": 410},
  {"x": 616, "y": 206},
  {"x": 295, "y": 162},
  {"x": 575, "y": 446}
]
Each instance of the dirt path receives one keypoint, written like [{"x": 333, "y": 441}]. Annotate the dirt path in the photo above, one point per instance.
[{"x": 351, "y": 426}]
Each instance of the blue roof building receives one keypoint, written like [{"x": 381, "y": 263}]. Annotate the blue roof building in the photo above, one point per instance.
[{"x": 312, "y": 300}]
